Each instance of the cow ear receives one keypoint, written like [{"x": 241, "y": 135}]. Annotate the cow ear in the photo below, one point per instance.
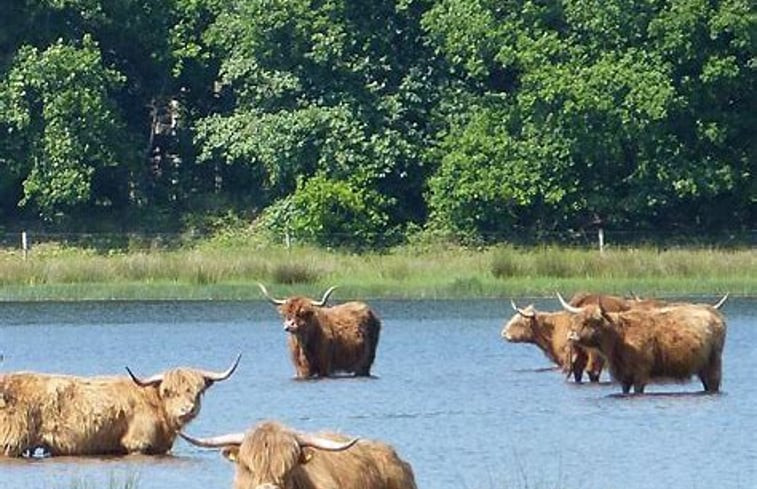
[
  {"x": 306, "y": 454},
  {"x": 231, "y": 453}
]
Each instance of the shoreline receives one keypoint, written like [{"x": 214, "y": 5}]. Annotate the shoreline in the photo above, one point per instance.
[
  {"x": 231, "y": 272},
  {"x": 705, "y": 290}
]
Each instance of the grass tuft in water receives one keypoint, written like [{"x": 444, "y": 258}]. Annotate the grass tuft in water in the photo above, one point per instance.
[{"x": 130, "y": 481}]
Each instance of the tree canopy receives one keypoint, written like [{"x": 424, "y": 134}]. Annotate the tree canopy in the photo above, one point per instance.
[{"x": 358, "y": 123}]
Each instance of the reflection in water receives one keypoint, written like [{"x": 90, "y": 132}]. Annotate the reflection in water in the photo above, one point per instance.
[{"x": 467, "y": 409}]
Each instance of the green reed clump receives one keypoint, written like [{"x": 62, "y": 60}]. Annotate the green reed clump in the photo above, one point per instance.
[
  {"x": 294, "y": 273},
  {"x": 506, "y": 263}
]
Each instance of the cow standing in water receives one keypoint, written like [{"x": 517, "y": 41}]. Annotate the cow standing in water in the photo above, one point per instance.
[
  {"x": 549, "y": 332},
  {"x": 273, "y": 456},
  {"x": 326, "y": 340},
  {"x": 67, "y": 415},
  {"x": 642, "y": 345}
]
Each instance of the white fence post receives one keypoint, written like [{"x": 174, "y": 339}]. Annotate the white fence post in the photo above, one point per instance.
[
  {"x": 601, "y": 237},
  {"x": 24, "y": 244}
]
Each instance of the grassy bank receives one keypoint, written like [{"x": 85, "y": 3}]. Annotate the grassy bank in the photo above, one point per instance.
[{"x": 52, "y": 272}]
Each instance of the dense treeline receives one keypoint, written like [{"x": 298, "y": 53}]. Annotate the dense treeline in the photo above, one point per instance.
[{"x": 345, "y": 122}]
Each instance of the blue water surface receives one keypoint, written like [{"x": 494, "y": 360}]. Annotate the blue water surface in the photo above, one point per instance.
[{"x": 465, "y": 408}]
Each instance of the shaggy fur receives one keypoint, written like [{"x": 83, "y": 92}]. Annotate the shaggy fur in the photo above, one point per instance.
[
  {"x": 270, "y": 456},
  {"x": 326, "y": 340},
  {"x": 614, "y": 303},
  {"x": 68, "y": 415},
  {"x": 645, "y": 344}
]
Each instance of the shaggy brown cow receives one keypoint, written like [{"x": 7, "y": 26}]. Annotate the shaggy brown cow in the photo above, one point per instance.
[
  {"x": 644, "y": 344},
  {"x": 272, "y": 456},
  {"x": 325, "y": 340},
  {"x": 67, "y": 415},
  {"x": 549, "y": 331}
]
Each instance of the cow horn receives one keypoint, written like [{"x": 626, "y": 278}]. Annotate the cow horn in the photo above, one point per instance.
[
  {"x": 635, "y": 297},
  {"x": 322, "y": 443},
  {"x": 721, "y": 301},
  {"x": 568, "y": 307},
  {"x": 325, "y": 297},
  {"x": 150, "y": 381},
  {"x": 219, "y": 376},
  {"x": 522, "y": 312},
  {"x": 272, "y": 300},
  {"x": 215, "y": 441}
]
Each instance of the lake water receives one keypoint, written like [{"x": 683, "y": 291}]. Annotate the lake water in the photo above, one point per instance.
[{"x": 465, "y": 408}]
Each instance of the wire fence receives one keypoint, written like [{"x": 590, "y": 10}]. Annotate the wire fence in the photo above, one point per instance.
[{"x": 600, "y": 239}]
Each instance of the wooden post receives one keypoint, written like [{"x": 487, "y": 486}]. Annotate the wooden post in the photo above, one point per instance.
[
  {"x": 601, "y": 237},
  {"x": 24, "y": 244}
]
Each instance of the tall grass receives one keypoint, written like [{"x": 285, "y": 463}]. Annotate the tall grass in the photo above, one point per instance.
[{"x": 230, "y": 272}]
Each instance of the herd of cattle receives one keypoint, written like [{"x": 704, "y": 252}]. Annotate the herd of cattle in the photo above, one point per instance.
[{"x": 637, "y": 340}]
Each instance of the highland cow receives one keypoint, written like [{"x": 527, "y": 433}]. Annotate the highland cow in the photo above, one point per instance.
[
  {"x": 67, "y": 415},
  {"x": 643, "y": 345},
  {"x": 548, "y": 331},
  {"x": 273, "y": 456},
  {"x": 326, "y": 340}
]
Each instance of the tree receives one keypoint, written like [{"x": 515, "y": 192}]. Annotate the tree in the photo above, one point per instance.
[
  {"x": 623, "y": 110},
  {"x": 324, "y": 88},
  {"x": 61, "y": 129}
]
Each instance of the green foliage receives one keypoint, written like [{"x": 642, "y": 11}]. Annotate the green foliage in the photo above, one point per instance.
[
  {"x": 331, "y": 213},
  {"x": 61, "y": 126},
  {"x": 611, "y": 110},
  {"x": 355, "y": 123}
]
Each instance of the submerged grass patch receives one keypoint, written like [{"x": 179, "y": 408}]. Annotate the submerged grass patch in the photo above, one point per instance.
[
  {"x": 130, "y": 481},
  {"x": 436, "y": 272}
]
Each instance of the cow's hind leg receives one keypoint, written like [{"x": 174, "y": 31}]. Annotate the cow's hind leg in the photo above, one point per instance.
[{"x": 711, "y": 374}]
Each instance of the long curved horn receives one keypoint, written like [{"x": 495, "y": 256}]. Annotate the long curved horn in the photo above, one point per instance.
[
  {"x": 215, "y": 441},
  {"x": 721, "y": 301},
  {"x": 522, "y": 312},
  {"x": 325, "y": 297},
  {"x": 635, "y": 297},
  {"x": 219, "y": 376},
  {"x": 272, "y": 300},
  {"x": 321, "y": 443},
  {"x": 149, "y": 381},
  {"x": 568, "y": 307}
]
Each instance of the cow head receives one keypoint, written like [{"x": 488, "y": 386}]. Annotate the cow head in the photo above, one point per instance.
[
  {"x": 297, "y": 311},
  {"x": 181, "y": 389},
  {"x": 522, "y": 326},
  {"x": 266, "y": 456},
  {"x": 587, "y": 322}
]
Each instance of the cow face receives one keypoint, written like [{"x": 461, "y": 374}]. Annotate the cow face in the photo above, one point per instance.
[
  {"x": 181, "y": 389},
  {"x": 181, "y": 392},
  {"x": 521, "y": 328},
  {"x": 266, "y": 458},
  {"x": 587, "y": 326},
  {"x": 298, "y": 315},
  {"x": 269, "y": 455}
]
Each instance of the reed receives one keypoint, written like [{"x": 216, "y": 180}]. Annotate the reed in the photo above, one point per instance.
[
  {"x": 130, "y": 481},
  {"x": 441, "y": 271}
]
